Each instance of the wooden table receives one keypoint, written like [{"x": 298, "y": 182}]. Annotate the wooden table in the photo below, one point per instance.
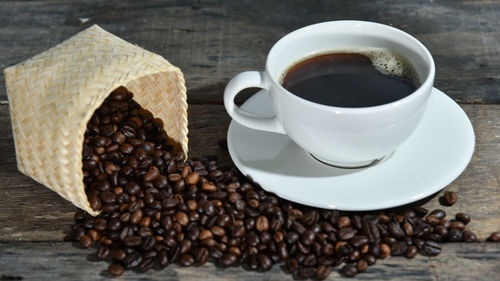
[{"x": 211, "y": 41}]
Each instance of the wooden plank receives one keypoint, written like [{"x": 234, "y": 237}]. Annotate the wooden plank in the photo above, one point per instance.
[
  {"x": 46, "y": 261},
  {"x": 34, "y": 213},
  {"x": 214, "y": 40}
]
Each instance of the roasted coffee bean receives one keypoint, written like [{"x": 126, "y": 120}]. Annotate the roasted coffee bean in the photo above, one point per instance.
[
  {"x": 422, "y": 229},
  {"x": 234, "y": 250},
  {"x": 395, "y": 229},
  {"x": 132, "y": 188},
  {"x": 446, "y": 223},
  {"x": 408, "y": 228},
  {"x": 146, "y": 265},
  {"x": 148, "y": 243},
  {"x": 206, "y": 234},
  {"x": 469, "y": 236},
  {"x": 201, "y": 255},
  {"x": 115, "y": 269},
  {"x": 419, "y": 243},
  {"x": 238, "y": 231},
  {"x": 93, "y": 234},
  {"x": 374, "y": 231},
  {"x": 262, "y": 224},
  {"x": 136, "y": 217},
  {"x": 265, "y": 262},
  {"x": 185, "y": 246},
  {"x": 215, "y": 253},
  {"x": 462, "y": 217},
  {"x": 208, "y": 186},
  {"x": 265, "y": 238},
  {"x": 411, "y": 252},
  {"x": 252, "y": 239},
  {"x": 359, "y": 241},
  {"x": 132, "y": 260},
  {"x": 347, "y": 233},
  {"x": 450, "y": 198},
  {"x": 291, "y": 265},
  {"x": 376, "y": 250},
  {"x": 362, "y": 265},
  {"x": 356, "y": 221},
  {"x": 343, "y": 221},
  {"x": 169, "y": 203},
  {"x": 308, "y": 237},
  {"x": 349, "y": 270},
  {"x": 150, "y": 254},
  {"x": 328, "y": 249},
  {"x": 354, "y": 255},
  {"x": 218, "y": 231},
  {"x": 182, "y": 218},
  {"x": 441, "y": 230},
  {"x": 398, "y": 248},
  {"x": 370, "y": 259},
  {"x": 228, "y": 260},
  {"x": 434, "y": 237},
  {"x": 432, "y": 220},
  {"x": 431, "y": 248},
  {"x": 384, "y": 218},
  {"x": 126, "y": 148},
  {"x": 119, "y": 254},
  {"x": 438, "y": 213},
  {"x": 457, "y": 224},
  {"x": 310, "y": 260},
  {"x": 133, "y": 241},
  {"x": 389, "y": 239},
  {"x": 385, "y": 250},
  {"x": 322, "y": 272},
  {"x": 186, "y": 260},
  {"x": 494, "y": 237},
  {"x": 152, "y": 174},
  {"x": 95, "y": 202},
  {"x": 421, "y": 212},
  {"x": 106, "y": 241},
  {"x": 455, "y": 235},
  {"x": 162, "y": 258},
  {"x": 292, "y": 237},
  {"x": 103, "y": 252},
  {"x": 86, "y": 241}
]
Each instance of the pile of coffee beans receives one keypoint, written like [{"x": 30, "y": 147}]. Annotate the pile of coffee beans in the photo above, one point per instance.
[{"x": 158, "y": 209}]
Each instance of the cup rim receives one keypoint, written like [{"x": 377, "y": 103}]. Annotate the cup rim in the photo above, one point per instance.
[{"x": 421, "y": 90}]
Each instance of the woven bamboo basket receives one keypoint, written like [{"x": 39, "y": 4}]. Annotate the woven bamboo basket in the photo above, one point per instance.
[{"x": 53, "y": 95}]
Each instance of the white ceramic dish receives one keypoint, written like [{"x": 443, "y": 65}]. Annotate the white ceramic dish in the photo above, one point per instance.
[{"x": 434, "y": 155}]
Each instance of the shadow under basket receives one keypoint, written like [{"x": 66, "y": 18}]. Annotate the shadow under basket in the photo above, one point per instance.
[{"x": 53, "y": 95}]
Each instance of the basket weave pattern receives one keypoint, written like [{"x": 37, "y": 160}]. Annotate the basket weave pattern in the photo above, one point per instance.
[{"x": 53, "y": 95}]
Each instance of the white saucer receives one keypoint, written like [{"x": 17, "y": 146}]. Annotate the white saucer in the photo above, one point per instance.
[{"x": 434, "y": 155}]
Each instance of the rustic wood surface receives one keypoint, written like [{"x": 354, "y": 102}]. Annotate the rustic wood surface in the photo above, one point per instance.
[
  {"x": 57, "y": 260},
  {"x": 214, "y": 40}
]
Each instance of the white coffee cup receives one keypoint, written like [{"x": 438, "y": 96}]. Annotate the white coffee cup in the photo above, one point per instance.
[{"x": 345, "y": 137}]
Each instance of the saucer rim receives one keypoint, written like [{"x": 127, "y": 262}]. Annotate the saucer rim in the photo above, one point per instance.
[{"x": 438, "y": 185}]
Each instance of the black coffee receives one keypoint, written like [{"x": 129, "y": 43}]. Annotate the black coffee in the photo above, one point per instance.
[{"x": 352, "y": 79}]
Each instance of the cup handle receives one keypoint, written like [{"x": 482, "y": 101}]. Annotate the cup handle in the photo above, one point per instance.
[{"x": 242, "y": 81}]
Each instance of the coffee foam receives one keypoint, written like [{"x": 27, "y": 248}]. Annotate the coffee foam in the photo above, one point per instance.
[{"x": 384, "y": 60}]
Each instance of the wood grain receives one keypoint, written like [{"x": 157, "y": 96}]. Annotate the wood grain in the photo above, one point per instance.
[
  {"x": 45, "y": 215},
  {"x": 214, "y": 40},
  {"x": 26, "y": 261}
]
